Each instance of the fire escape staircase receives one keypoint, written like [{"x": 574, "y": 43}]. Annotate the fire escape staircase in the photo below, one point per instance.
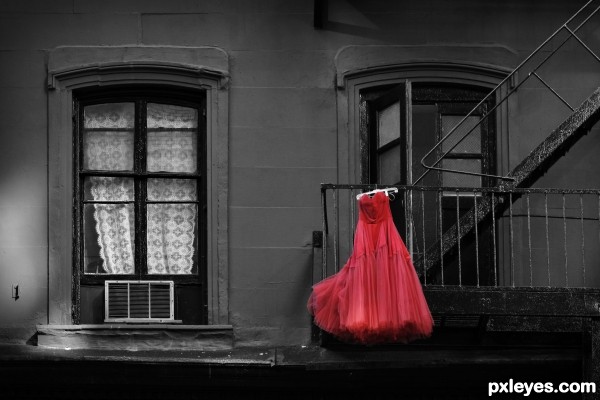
[{"x": 532, "y": 167}]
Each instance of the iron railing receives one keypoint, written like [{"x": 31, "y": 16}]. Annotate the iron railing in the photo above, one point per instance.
[
  {"x": 526, "y": 237},
  {"x": 528, "y": 68}
]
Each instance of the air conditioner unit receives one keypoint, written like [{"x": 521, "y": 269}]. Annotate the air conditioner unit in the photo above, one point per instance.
[{"x": 138, "y": 301}]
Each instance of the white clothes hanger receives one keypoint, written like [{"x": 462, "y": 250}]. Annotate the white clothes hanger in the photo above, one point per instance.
[{"x": 387, "y": 192}]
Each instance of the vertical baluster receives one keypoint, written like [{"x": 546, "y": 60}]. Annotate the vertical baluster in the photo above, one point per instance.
[
  {"x": 458, "y": 238},
  {"x": 408, "y": 217},
  {"x": 335, "y": 230},
  {"x": 351, "y": 230},
  {"x": 529, "y": 241},
  {"x": 441, "y": 235},
  {"x": 406, "y": 221},
  {"x": 547, "y": 236},
  {"x": 565, "y": 241},
  {"x": 424, "y": 258},
  {"x": 582, "y": 238},
  {"x": 493, "y": 213},
  {"x": 325, "y": 233},
  {"x": 475, "y": 217},
  {"x": 598, "y": 195},
  {"x": 511, "y": 235}
]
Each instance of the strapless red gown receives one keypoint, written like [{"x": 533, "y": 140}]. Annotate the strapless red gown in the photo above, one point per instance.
[{"x": 376, "y": 297}]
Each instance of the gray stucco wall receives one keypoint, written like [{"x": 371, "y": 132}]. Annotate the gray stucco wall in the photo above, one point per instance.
[{"x": 283, "y": 125}]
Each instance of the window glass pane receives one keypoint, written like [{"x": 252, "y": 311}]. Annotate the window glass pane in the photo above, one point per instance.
[
  {"x": 388, "y": 124},
  {"x": 461, "y": 180},
  {"x": 172, "y": 238},
  {"x": 172, "y": 138},
  {"x": 171, "y": 116},
  {"x": 389, "y": 166},
  {"x": 471, "y": 143},
  {"x": 424, "y": 128},
  {"x": 102, "y": 188},
  {"x": 108, "y": 137},
  {"x": 109, "y": 238},
  {"x": 171, "y": 189}
]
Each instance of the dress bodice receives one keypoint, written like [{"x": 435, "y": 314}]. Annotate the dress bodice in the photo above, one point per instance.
[{"x": 373, "y": 209}]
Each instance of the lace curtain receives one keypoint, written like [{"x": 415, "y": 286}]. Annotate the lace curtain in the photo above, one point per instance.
[{"x": 171, "y": 147}]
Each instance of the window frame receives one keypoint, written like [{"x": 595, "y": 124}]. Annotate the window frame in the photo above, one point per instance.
[
  {"x": 71, "y": 68},
  {"x": 140, "y": 97},
  {"x": 359, "y": 68}
]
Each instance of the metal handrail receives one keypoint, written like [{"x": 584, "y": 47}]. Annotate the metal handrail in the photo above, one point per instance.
[
  {"x": 369, "y": 186},
  {"x": 402, "y": 188},
  {"x": 533, "y": 72},
  {"x": 536, "y": 207}
]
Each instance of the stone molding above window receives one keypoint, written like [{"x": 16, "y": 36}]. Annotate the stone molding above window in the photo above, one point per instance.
[
  {"x": 424, "y": 60},
  {"x": 75, "y": 67},
  {"x": 359, "y": 67},
  {"x": 79, "y": 66}
]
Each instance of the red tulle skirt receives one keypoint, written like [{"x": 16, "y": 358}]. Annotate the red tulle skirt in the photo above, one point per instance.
[{"x": 376, "y": 297}]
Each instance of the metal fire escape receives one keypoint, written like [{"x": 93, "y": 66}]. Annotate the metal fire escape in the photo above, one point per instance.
[{"x": 558, "y": 141}]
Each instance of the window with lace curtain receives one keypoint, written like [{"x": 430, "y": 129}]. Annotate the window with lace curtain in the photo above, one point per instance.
[{"x": 140, "y": 209}]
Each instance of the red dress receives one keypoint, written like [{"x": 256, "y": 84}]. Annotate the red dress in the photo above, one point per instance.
[{"x": 376, "y": 297}]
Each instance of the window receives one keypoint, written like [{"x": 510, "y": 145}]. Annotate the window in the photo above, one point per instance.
[
  {"x": 414, "y": 75},
  {"x": 394, "y": 147},
  {"x": 401, "y": 123},
  {"x": 140, "y": 190},
  {"x": 184, "y": 76}
]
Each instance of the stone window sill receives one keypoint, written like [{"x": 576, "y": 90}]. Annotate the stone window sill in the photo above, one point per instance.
[{"x": 136, "y": 337}]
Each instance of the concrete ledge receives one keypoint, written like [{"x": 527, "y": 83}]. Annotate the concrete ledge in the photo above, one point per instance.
[
  {"x": 30, "y": 372},
  {"x": 136, "y": 337}
]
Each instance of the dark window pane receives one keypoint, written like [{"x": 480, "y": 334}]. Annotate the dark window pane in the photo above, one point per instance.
[
  {"x": 389, "y": 166},
  {"x": 424, "y": 117},
  {"x": 461, "y": 180},
  {"x": 388, "y": 124},
  {"x": 471, "y": 143}
]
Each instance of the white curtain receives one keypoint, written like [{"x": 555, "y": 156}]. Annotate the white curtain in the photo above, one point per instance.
[
  {"x": 170, "y": 148},
  {"x": 113, "y": 150},
  {"x": 171, "y": 226}
]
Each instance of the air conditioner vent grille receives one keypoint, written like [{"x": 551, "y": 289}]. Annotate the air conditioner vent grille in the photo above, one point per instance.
[
  {"x": 161, "y": 294},
  {"x": 139, "y": 301},
  {"x": 117, "y": 301}
]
